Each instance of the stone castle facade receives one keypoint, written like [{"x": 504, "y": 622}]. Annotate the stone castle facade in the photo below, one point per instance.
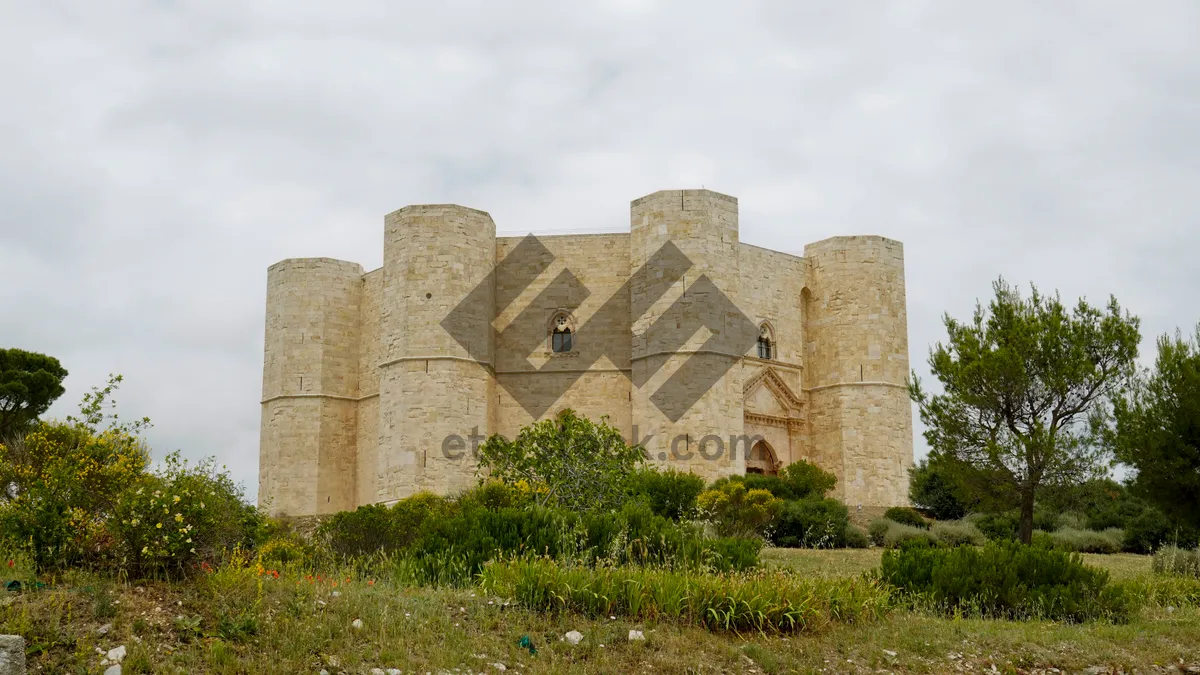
[{"x": 371, "y": 393}]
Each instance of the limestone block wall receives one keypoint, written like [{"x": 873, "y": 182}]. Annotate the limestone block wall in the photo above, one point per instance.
[
  {"x": 704, "y": 226},
  {"x": 438, "y": 262},
  {"x": 367, "y": 436},
  {"x": 586, "y": 282},
  {"x": 310, "y": 386},
  {"x": 857, "y": 364}
]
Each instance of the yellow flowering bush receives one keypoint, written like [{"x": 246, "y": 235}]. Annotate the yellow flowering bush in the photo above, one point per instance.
[
  {"x": 60, "y": 482},
  {"x": 181, "y": 516}
]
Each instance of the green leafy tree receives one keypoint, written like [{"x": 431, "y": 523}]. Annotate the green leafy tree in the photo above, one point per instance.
[
  {"x": 1020, "y": 380},
  {"x": 1157, "y": 430},
  {"x": 933, "y": 489},
  {"x": 29, "y": 383},
  {"x": 568, "y": 461}
]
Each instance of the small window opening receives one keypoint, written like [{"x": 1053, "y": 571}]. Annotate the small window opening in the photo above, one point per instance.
[{"x": 561, "y": 338}]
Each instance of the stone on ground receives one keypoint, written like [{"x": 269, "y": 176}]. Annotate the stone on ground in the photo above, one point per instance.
[
  {"x": 12, "y": 655},
  {"x": 574, "y": 637}
]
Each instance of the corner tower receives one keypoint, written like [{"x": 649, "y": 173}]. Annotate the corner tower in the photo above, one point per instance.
[
  {"x": 310, "y": 387},
  {"x": 436, "y": 348},
  {"x": 857, "y": 365},
  {"x": 686, "y": 369}
]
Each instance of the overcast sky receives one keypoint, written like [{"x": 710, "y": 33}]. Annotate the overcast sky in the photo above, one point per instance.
[{"x": 156, "y": 157}]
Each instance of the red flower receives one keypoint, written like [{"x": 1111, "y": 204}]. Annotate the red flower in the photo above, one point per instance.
[{"x": 11, "y": 563}]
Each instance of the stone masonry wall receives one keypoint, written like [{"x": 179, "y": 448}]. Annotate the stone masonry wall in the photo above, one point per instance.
[
  {"x": 857, "y": 360},
  {"x": 310, "y": 386}
]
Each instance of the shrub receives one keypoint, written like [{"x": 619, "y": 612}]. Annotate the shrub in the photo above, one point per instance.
[
  {"x": 811, "y": 523},
  {"x": 855, "y": 537},
  {"x": 761, "y": 601},
  {"x": 957, "y": 533},
  {"x": 60, "y": 482},
  {"x": 1073, "y": 521},
  {"x": 906, "y": 516},
  {"x": 898, "y": 534},
  {"x": 1006, "y": 580},
  {"x": 671, "y": 494},
  {"x": 1044, "y": 520},
  {"x": 1175, "y": 560},
  {"x": 996, "y": 526},
  {"x": 736, "y": 511},
  {"x": 494, "y": 494},
  {"x": 183, "y": 515},
  {"x": 798, "y": 480},
  {"x": 1082, "y": 541},
  {"x": 877, "y": 530},
  {"x": 279, "y": 552},
  {"x": 807, "y": 480},
  {"x": 932, "y": 488},
  {"x": 568, "y": 461},
  {"x": 1151, "y": 529},
  {"x": 374, "y": 527}
]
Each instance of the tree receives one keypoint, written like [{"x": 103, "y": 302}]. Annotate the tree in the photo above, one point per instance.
[
  {"x": 29, "y": 383},
  {"x": 568, "y": 461},
  {"x": 1157, "y": 430},
  {"x": 1020, "y": 381},
  {"x": 933, "y": 489}
]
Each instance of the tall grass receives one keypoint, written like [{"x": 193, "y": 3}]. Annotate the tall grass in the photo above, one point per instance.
[{"x": 759, "y": 601}]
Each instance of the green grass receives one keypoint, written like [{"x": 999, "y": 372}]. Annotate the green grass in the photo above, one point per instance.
[
  {"x": 841, "y": 562},
  {"x": 236, "y": 621}
]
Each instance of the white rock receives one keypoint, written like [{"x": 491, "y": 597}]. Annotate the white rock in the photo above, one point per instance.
[
  {"x": 356, "y": 624},
  {"x": 377, "y": 671},
  {"x": 335, "y": 594},
  {"x": 500, "y": 666},
  {"x": 323, "y": 672},
  {"x": 103, "y": 630},
  {"x": 636, "y": 635},
  {"x": 574, "y": 637},
  {"x": 393, "y": 671},
  {"x": 890, "y": 653},
  {"x": 116, "y": 654},
  {"x": 113, "y": 670}
]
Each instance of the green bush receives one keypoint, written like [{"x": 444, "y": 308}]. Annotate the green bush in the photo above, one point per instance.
[
  {"x": 933, "y": 488},
  {"x": 737, "y": 511},
  {"x": 377, "y": 528},
  {"x": 798, "y": 480},
  {"x": 996, "y": 526},
  {"x": 811, "y": 523},
  {"x": 1081, "y": 541},
  {"x": 1175, "y": 560},
  {"x": 1151, "y": 529},
  {"x": 1006, "y": 580},
  {"x": 899, "y": 534},
  {"x": 957, "y": 533},
  {"x": 1044, "y": 520},
  {"x": 877, "y": 530},
  {"x": 906, "y": 516},
  {"x": 171, "y": 521},
  {"x": 855, "y": 537},
  {"x": 671, "y": 494}
]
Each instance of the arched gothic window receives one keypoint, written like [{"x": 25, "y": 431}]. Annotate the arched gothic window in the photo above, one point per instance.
[
  {"x": 765, "y": 343},
  {"x": 561, "y": 337}
]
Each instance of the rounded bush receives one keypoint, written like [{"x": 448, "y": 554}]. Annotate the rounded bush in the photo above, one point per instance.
[
  {"x": 855, "y": 537},
  {"x": 957, "y": 533},
  {"x": 906, "y": 516}
]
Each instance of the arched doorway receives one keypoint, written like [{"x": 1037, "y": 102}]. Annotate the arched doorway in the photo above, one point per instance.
[{"x": 762, "y": 460}]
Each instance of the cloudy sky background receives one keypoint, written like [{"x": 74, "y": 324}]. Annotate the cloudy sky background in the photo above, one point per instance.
[{"x": 156, "y": 157}]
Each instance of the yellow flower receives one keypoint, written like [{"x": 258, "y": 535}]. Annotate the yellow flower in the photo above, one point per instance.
[
  {"x": 159, "y": 526},
  {"x": 176, "y": 499},
  {"x": 178, "y": 518}
]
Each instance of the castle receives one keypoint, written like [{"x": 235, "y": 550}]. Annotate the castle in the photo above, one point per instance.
[{"x": 378, "y": 385}]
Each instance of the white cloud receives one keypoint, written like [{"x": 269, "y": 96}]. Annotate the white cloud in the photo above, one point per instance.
[{"x": 157, "y": 157}]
